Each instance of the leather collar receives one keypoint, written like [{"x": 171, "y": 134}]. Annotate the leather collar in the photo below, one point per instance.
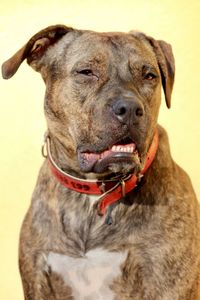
[{"x": 109, "y": 191}]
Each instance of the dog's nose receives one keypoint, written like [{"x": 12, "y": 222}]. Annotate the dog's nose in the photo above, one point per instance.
[{"x": 128, "y": 110}]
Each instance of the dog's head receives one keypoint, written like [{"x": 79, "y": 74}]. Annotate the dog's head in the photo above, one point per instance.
[{"x": 103, "y": 93}]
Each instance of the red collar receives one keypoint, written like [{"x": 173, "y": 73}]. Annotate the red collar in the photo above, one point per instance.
[{"x": 110, "y": 191}]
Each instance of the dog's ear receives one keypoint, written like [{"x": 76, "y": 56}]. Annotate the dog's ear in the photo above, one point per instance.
[
  {"x": 166, "y": 63},
  {"x": 34, "y": 49},
  {"x": 165, "y": 58}
]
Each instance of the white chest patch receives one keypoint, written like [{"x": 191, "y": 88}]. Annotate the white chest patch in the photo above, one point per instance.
[{"x": 90, "y": 276}]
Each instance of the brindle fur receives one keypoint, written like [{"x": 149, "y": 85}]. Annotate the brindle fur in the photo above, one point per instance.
[{"x": 158, "y": 223}]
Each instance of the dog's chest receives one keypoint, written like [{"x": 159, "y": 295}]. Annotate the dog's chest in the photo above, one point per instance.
[{"x": 91, "y": 276}]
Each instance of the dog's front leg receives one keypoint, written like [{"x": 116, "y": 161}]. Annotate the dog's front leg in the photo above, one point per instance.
[
  {"x": 35, "y": 277},
  {"x": 39, "y": 282}
]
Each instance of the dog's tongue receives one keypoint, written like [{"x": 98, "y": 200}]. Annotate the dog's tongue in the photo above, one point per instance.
[{"x": 88, "y": 159}]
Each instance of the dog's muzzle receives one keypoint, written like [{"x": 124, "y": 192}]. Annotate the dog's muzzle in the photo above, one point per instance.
[{"x": 128, "y": 113}]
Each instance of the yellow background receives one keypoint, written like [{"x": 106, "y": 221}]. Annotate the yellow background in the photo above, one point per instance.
[{"x": 21, "y": 111}]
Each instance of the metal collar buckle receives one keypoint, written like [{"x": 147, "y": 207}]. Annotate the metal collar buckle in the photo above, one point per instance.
[
  {"x": 121, "y": 181},
  {"x": 44, "y": 146}
]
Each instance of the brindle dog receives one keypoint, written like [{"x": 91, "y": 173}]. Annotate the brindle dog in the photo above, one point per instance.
[{"x": 103, "y": 93}]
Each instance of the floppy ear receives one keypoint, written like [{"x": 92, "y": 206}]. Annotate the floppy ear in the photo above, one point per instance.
[
  {"x": 34, "y": 49},
  {"x": 165, "y": 58}
]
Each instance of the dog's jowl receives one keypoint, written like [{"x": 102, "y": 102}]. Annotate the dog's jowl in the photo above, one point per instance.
[{"x": 112, "y": 215}]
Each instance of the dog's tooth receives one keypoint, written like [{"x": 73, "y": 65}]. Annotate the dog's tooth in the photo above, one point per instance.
[
  {"x": 113, "y": 148},
  {"x": 123, "y": 148}
]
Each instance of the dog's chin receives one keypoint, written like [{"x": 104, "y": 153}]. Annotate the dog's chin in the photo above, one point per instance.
[
  {"x": 111, "y": 163},
  {"x": 118, "y": 163}
]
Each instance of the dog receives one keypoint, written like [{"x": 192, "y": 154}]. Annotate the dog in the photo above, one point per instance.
[{"x": 112, "y": 215}]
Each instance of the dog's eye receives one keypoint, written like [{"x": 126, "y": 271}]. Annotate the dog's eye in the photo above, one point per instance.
[
  {"x": 86, "y": 72},
  {"x": 149, "y": 73},
  {"x": 149, "y": 76}
]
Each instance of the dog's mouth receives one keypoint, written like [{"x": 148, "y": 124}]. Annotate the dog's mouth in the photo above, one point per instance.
[{"x": 123, "y": 154}]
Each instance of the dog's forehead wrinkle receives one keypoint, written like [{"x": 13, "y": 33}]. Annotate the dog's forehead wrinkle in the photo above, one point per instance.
[
  {"x": 96, "y": 47},
  {"x": 86, "y": 58}
]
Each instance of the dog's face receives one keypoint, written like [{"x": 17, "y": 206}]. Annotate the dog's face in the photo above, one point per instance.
[{"x": 103, "y": 93}]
